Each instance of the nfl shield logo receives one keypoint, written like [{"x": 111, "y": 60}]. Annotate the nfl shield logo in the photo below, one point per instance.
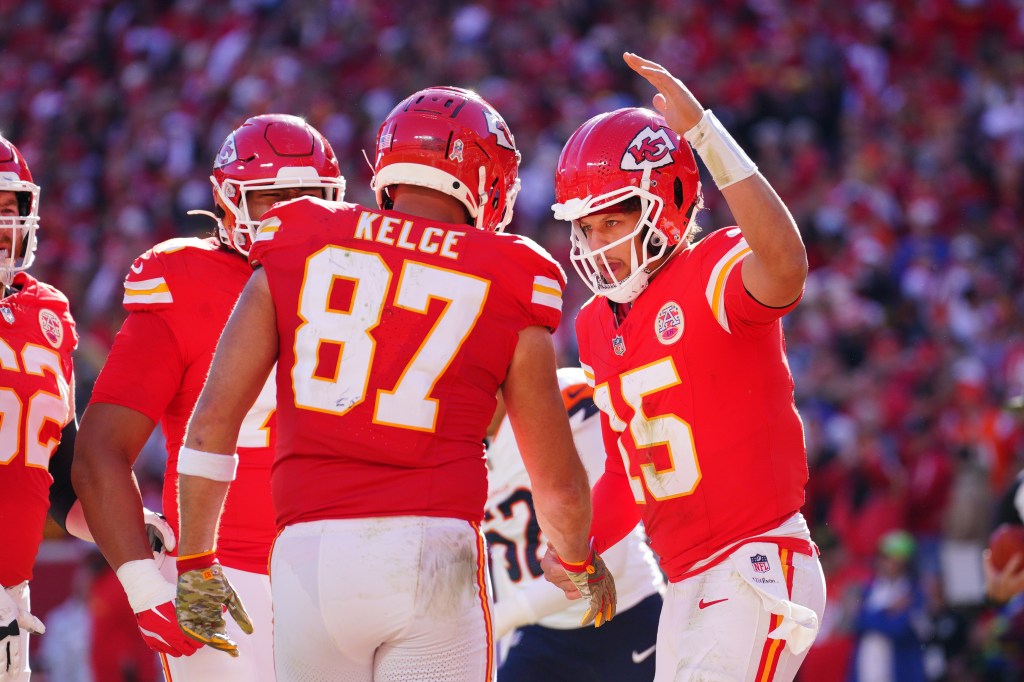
[
  {"x": 8, "y": 315},
  {"x": 760, "y": 562},
  {"x": 618, "y": 345}
]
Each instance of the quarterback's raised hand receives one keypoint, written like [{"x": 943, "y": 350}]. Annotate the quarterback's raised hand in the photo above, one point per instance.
[
  {"x": 203, "y": 592},
  {"x": 13, "y": 620},
  {"x": 595, "y": 582},
  {"x": 674, "y": 100}
]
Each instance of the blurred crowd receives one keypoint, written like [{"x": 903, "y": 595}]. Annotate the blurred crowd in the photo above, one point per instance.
[{"x": 893, "y": 130}]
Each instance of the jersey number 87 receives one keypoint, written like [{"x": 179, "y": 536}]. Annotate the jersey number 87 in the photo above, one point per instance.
[{"x": 409, "y": 405}]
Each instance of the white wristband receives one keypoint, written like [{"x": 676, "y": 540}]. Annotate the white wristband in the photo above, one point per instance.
[
  {"x": 192, "y": 462},
  {"x": 144, "y": 585},
  {"x": 725, "y": 159}
]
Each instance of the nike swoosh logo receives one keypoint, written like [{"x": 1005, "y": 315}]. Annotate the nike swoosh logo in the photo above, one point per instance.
[
  {"x": 704, "y": 604},
  {"x": 640, "y": 657},
  {"x": 571, "y": 392},
  {"x": 136, "y": 270}
]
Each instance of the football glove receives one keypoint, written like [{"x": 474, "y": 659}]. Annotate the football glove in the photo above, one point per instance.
[
  {"x": 203, "y": 592},
  {"x": 160, "y": 533},
  {"x": 12, "y": 621},
  {"x": 152, "y": 599},
  {"x": 595, "y": 582}
]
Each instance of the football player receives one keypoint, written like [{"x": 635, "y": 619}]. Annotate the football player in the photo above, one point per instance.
[
  {"x": 540, "y": 631},
  {"x": 37, "y": 408},
  {"x": 392, "y": 330},
  {"x": 178, "y": 296},
  {"x": 683, "y": 345}
]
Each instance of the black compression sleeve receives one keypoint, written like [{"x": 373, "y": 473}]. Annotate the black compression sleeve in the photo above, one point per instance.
[{"x": 62, "y": 494}]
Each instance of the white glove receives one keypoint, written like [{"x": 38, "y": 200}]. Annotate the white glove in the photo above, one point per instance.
[
  {"x": 161, "y": 535},
  {"x": 12, "y": 621}
]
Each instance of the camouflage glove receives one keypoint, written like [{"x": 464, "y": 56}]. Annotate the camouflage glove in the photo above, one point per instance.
[
  {"x": 203, "y": 592},
  {"x": 594, "y": 581}
]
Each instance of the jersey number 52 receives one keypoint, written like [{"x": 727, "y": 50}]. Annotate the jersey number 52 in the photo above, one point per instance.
[{"x": 39, "y": 409}]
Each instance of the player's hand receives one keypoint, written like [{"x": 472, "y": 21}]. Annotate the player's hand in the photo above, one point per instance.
[
  {"x": 203, "y": 592},
  {"x": 674, "y": 100},
  {"x": 595, "y": 582},
  {"x": 151, "y": 597},
  {"x": 12, "y": 621},
  {"x": 159, "y": 628},
  {"x": 555, "y": 574},
  {"x": 1002, "y": 586},
  {"x": 160, "y": 533}
]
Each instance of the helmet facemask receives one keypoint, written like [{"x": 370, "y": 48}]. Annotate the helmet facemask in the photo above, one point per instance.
[
  {"x": 21, "y": 230},
  {"x": 268, "y": 152},
  {"x": 233, "y": 195},
  {"x": 592, "y": 264}
]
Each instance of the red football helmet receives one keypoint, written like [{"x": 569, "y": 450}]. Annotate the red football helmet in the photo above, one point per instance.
[
  {"x": 272, "y": 151},
  {"x": 452, "y": 141},
  {"x": 616, "y": 156},
  {"x": 17, "y": 233}
]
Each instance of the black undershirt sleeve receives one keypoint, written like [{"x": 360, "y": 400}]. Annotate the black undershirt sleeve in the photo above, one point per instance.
[{"x": 62, "y": 494}]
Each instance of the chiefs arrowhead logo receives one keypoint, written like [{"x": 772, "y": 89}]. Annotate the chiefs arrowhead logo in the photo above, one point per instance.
[
  {"x": 228, "y": 153},
  {"x": 650, "y": 148},
  {"x": 500, "y": 130}
]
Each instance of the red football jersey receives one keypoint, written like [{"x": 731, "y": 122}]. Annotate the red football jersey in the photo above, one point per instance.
[
  {"x": 395, "y": 335},
  {"x": 179, "y": 296},
  {"x": 37, "y": 336},
  {"x": 698, "y": 405}
]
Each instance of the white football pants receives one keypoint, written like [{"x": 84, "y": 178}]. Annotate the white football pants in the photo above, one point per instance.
[{"x": 395, "y": 599}]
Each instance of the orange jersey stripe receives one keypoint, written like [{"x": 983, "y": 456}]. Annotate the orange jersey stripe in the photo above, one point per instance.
[
  {"x": 166, "y": 668},
  {"x": 773, "y": 648},
  {"x": 481, "y": 581}
]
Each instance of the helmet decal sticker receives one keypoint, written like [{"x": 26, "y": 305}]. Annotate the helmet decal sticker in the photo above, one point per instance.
[
  {"x": 228, "y": 153},
  {"x": 456, "y": 152},
  {"x": 648, "y": 149},
  {"x": 500, "y": 130}
]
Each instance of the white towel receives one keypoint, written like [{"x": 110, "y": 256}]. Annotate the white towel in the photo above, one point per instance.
[{"x": 760, "y": 566}]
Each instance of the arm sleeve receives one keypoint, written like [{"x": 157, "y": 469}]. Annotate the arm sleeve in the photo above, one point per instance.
[
  {"x": 746, "y": 308},
  {"x": 545, "y": 281},
  {"x": 723, "y": 253},
  {"x": 145, "y": 366},
  {"x": 62, "y": 493}
]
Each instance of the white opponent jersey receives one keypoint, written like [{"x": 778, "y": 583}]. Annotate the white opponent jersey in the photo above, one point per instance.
[{"x": 516, "y": 542}]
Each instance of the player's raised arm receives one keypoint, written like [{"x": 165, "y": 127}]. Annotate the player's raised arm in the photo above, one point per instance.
[{"x": 776, "y": 270}]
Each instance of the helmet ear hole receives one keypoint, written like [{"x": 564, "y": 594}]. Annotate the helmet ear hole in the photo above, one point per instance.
[
  {"x": 677, "y": 193},
  {"x": 24, "y": 203}
]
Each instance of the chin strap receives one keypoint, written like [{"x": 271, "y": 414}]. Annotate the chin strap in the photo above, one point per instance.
[{"x": 222, "y": 232}]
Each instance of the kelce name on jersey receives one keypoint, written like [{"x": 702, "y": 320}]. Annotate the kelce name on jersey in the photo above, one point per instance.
[{"x": 433, "y": 240}]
